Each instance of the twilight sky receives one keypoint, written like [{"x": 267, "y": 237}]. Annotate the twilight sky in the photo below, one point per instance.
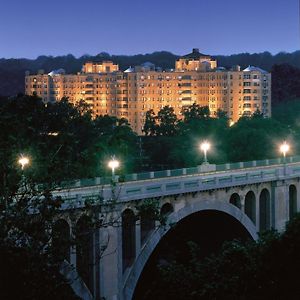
[{"x": 29, "y": 28}]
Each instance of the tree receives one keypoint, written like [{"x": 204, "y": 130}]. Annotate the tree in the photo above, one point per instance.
[
  {"x": 28, "y": 268},
  {"x": 253, "y": 138},
  {"x": 195, "y": 112},
  {"x": 167, "y": 121},
  {"x": 62, "y": 141},
  {"x": 285, "y": 83},
  {"x": 115, "y": 137},
  {"x": 150, "y": 126}
]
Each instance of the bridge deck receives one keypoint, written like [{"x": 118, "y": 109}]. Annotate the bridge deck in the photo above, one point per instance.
[{"x": 152, "y": 187}]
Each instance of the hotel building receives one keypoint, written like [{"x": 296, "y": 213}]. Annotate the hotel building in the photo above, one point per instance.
[{"x": 131, "y": 93}]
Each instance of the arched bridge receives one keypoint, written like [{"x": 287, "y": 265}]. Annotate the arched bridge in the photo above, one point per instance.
[{"x": 257, "y": 195}]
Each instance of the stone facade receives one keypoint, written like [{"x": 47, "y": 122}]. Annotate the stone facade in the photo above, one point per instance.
[{"x": 130, "y": 94}]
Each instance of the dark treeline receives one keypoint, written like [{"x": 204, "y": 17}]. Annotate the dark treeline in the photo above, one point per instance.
[
  {"x": 65, "y": 137},
  {"x": 174, "y": 143},
  {"x": 12, "y": 70}
]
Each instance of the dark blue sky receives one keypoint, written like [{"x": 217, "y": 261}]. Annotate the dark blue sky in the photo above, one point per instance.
[{"x": 29, "y": 28}]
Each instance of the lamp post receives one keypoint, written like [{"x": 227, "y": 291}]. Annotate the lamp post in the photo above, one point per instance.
[
  {"x": 205, "y": 146},
  {"x": 284, "y": 148},
  {"x": 113, "y": 164},
  {"x": 23, "y": 161}
]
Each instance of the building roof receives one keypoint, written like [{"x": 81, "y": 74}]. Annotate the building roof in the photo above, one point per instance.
[
  {"x": 129, "y": 70},
  {"x": 252, "y": 68},
  {"x": 57, "y": 72},
  {"x": 195, "y": 54}
]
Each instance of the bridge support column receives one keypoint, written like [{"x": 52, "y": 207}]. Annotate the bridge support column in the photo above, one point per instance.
[
  {"x": 137, "y": 237},
  {"x": 242, "y": 199},
  {"x": 298, "y": 196},
  {"x": 73, "y": 248},
  {"x": 97, "y": 257},
  {"x": 257, "y": 224},
  {"x": 279, "y": 204},
  {"x": 111, "y": 262}
]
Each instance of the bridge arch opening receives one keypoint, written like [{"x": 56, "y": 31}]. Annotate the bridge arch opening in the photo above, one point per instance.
[
  {"x": 207, "y": 228},
  {"x": 85, "y": 250},
  {"x": 292, "y": 201},
  {"x": 166, "y": 209},
  {"x": 250, "y": 206},
  {"x": 128, "y": 238},
  {"x": 61, "y": 240},
  {"x": 264, "y": 210},
  {"x": 235, "y": 200}
]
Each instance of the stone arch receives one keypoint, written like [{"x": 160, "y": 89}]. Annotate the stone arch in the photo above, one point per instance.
[
  {"x": 135, "y": 272},
  {"x": 61, "y": 239},
  {"x": 84, "y": 239},
  {"x": 292, "y": 201},
  {"x": 128, "y": 238},
  {"x": 235, "y": 200},
  {"x": 166, "y": 209},
  {"x": 264, "y": 210},
  {"x": 250, "y": 206}
]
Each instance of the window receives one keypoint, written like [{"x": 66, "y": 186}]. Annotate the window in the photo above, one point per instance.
[{"x": 247, "y": 105}]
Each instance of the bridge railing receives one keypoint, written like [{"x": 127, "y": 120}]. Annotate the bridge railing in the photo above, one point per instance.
[
  {"x": 138, "y": 189},
  {"x": 178, "y": 172}
]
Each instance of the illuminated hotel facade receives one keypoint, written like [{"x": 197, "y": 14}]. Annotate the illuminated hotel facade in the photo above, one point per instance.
[{"x": 131, "y": 93}]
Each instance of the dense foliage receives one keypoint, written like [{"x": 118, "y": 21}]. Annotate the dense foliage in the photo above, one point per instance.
[
  {"x": 266, "y": 269},
  {"x": 64, "y": 137},
  {"x": 61, "y": 139},
  {"x": 29, "y": 269},
  {"x": 174, "y": 143},
  {"x": 62, "y": 142}
]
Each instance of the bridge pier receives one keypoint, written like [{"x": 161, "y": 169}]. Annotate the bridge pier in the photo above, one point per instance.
[
  {"x": 280, "y": 197},
  {"x": 138, "y": 236}
]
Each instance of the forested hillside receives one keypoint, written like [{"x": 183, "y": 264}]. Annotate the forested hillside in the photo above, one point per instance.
[{"x": 284, "y": 68}]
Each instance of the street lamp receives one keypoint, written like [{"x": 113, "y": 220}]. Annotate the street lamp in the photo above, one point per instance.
[
  {"x": 23, "y": 161},
  {"x": 205, "y": 146},
  {"x": 284, "y": 148},
  {"x": 113, "y": 164}
]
